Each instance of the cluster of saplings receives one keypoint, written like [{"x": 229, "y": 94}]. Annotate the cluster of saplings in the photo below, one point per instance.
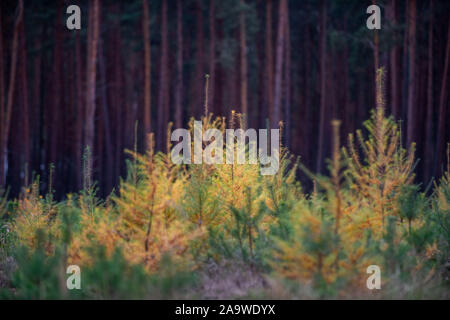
[{"x": 226, "y": 230}]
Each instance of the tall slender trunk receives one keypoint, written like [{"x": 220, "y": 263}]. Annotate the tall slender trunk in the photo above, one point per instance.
[
  {"x": 376, "y": 50},
  {"x": 2, "y": 96},
  {"x": 198, "y": 76},
  {"x": 395, "y": 102},
  {"x": 80, "y": 112},
  {"x": 7, "y": 110},
  {"x": 276, "y": 114},
  {"x": 163, "y": 104},
  {"x": 429, "y": 161},
  {"x": 404, "y": 78},
  {"x": 92, "y": 73},
  {"x": 323, "y": 50},
  {"x": 54, "y": 112},
  {"x": 25, "y": 106},
  {"x": 179, "y": 86},
  {"x": 442, "y": 105},
  {"x": 412, "y": 17},
  {"x": 147, "y": 67},
  {"x": 243, "y": 69},
  {"x": 36, "y": 123},
  {"x": 269, "y": 59},
  {"x": 287, "y": 83},
  {"x": 106, "y": 122},
  {"x": 212, "y": 55}
]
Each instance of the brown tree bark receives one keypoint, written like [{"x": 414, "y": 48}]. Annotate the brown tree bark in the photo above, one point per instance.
[
  {"x": 197, "y": 92},
  {"x": 393, "y": 59},
  {"x": 269, "y": 59},
  {"x": 287, "y": 82},
  {"x": 243, "y": 60},
  {"x": 212, "y": 55},
  {"x": 80, "y": 112},
  {"x": 55, "y": 130},
  {"x": 323, "y": 76},
  {"x": 276, "y": 114},
  {"x": 429, "y": 154},
  {"x": 108, "y": 170},
  {"x": 92, "y": 56},
  {"x": 36, "y": 123},
  {"x": 147, "y": 67},
  {"x": 163, "y": 99},
  {"x": 26, "y": 147},
  {"x": 7, "y": 109},
  {"x": 179, "y": 85},
  {"x": 441, "y": 145},
  {"x": 2, "y": 96},
  {"x": 376, "y": 50},
  {"x": 412, "y": 19}
]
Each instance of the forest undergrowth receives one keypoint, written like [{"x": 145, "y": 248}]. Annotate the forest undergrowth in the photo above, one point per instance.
[{"x": 226, "y": 231}]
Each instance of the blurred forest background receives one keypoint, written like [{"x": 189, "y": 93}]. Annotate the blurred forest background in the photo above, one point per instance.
[{"x": 300, "y": 62}]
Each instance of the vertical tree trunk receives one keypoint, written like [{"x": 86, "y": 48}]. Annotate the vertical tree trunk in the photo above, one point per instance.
[
  {"x": 269, "y": 59},
  {"x": 198, "y": 77},
  {"x": 6, "y": 125},
  {"x": 323, "y": 43},
  {"x": 116, "y": 93},
  {"x": 243, "y": 53},
  {"x": 179, "y": 86},
  {"x": 92, "y": 73},
  {"x": 220, "y": 75},
  {"x": 395, "y": 102},
  {"x": 276, "y": 115},
  {"x": 25, "y": 107},
  {"x": 36, "y": 98},
  {"x": 108, "y": 183},
  {"x": 412, "y": 17},
  {"x": 404, "y": 78},
  {"x": 287, "y": 82},
  {"x": 442, "y": 105},
  {"x": 80, "y": 112},
  {"x": 54, "y": 112},
  {"x": 429, "y": 158},
  {"x": 376, "y": 50},
  {"x": 212, "y": 54},
  {"x": 163, "y": 104},
  {"x": 147, "y": 67},
  {"x": 2, "y": 94}
]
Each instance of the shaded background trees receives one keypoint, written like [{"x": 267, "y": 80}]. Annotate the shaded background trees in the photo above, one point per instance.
[{"x": 300, "y": 62}]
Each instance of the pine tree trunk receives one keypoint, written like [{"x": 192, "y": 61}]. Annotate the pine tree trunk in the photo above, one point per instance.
[
  {"x": 395, "y": 102},
  {"x": 80, "y": 113},
  {"x": 429, "y": 157},
  {"x": 212, "y": 56},
  {"x": 25, "y": 106},
  {"x": 276, "y": 115},
  {"x": 442, "y": 105},
  {"x": 412, "y": 17},
  {"x": 164, "y": 91},
  {"x": 269, "y": 59},
  {"x": 179, "y": 86},
  {"x": 6, "y": 125},
  {"x": 108, "y": 183},
  {"x": 54, "y": 112},
  {"x": 376, "y": 50},
  {"x": 36, "y": 123},
  {"x": 323, "y": 43},
  {"x": 196, "y": 93},
  {"x": 147, "y": 67},
  {"x": 287, "y": 83},
  {"x": 91, "y": 74},
  {"x": 243, "y": 69}
]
